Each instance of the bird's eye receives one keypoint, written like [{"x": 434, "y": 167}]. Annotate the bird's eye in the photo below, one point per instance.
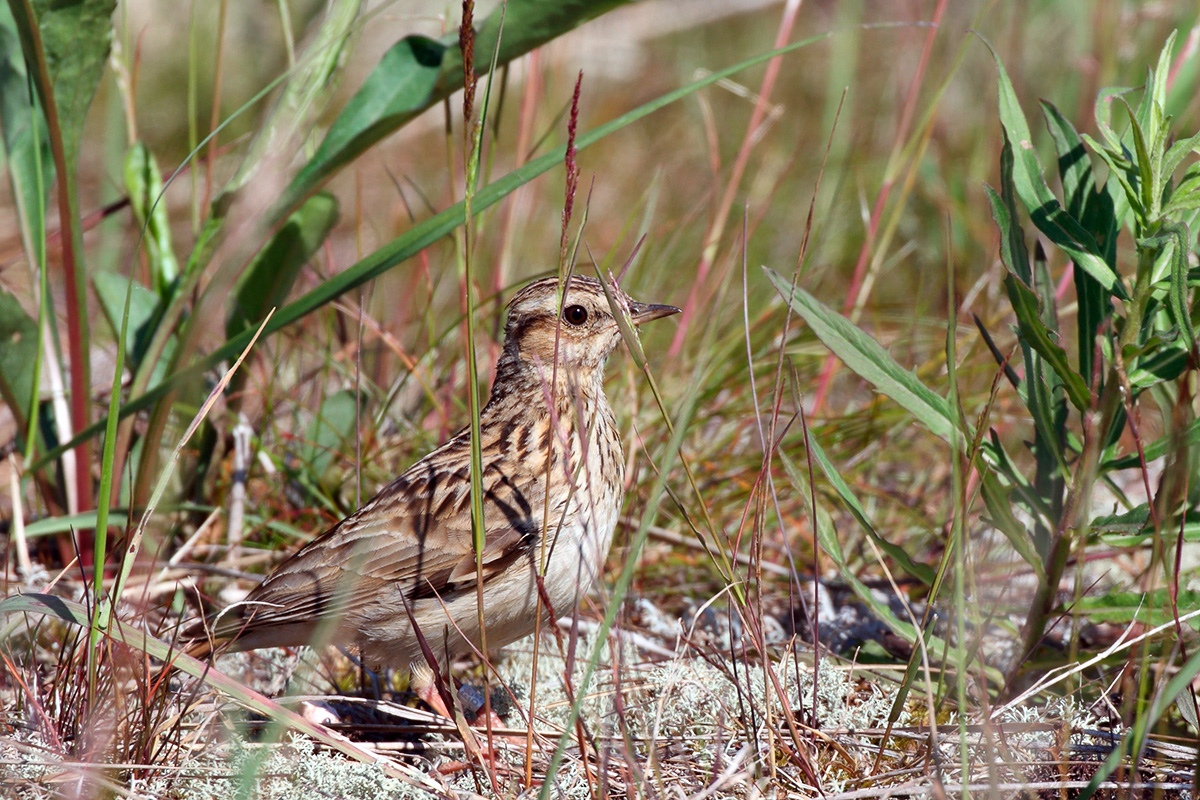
[{"x": 575, "y": 315}]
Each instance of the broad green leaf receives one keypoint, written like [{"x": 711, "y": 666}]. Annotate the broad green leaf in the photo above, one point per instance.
[
  {"x": 30, "y": 164},
  {"x": 418, "y": 72},
  {"x": 18, "y": 358},
  {"x": 416, "y": 239},
  {"x": 143, "y": 182},
  {"x": 268, "y": 280},
  {"x": 332, "y": 430},
  {"x": 866, "y": 358},
  {"x": 143, "y": 310},
  {"x": 1043, "y": 207},
  {"x": 75, "y": 38}
]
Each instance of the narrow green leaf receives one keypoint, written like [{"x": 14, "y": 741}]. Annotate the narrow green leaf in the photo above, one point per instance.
[
  {"x": 1013, "y": 252},
  {"x": 1095, "y": 210},
  {"x": 998, "y": 499},
  {"x": 269, "y": 278},
  {"x": 1147, "y": 177},
  {"x": 866, "y": 358},
  {"x": 26, "y": 147},
  {"x": 418, "y": 72},
  {"x": 1044, "y": 209},
  {"x": 1179, "y": 151},
  {"x": 400, "y": 87},
  {"x": 143, "y": 182},
  {"x": 1034, "y": 331},
  {"x": 921, "y": 572},
  {"x": 1074, "y": 166},
  {"x": 1186, "y": 437},
  {"x": 1173, "y": 240}
]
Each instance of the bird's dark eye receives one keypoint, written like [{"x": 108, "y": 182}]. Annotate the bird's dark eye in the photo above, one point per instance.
[{"x": 575, "y": 315}]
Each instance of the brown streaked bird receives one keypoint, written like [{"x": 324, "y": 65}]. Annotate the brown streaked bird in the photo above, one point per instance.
[{"x": 553, "y": 478}]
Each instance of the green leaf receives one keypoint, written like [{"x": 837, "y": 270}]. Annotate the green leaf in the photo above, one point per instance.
[
  {"x": 75, "y": 37},
  {"x": 419, "y": 72},
  {"x": 1165, "y": 363},
  {"x": 1013, "y": 252},
  {"x": 998, "y": 499},
  {"x": 1179, "y": 151},
  {"x": 143, "y": 310},
  {"x": 332, "y": 430},
  {"x": 1173, "y": 241},
  {"x": 269, "y": 278},
  {"x": 921, "y": 572},
  {"x": 1034, "y": 332},
  {"x": 400, "y": 87},
  {"x": 18, "y": 358},
  {"x": 26, "y": 146},
  {"x": 866, "y": 358},
  {"x": 1096, "y": 211},
  {"x": 144, "y": 183},
  {"x": 1044, "y": 209},
  {"x": 1190, "y": 435},
  {"x": 1147, "y": 175},
  {"x": 1148, "y": 608}
]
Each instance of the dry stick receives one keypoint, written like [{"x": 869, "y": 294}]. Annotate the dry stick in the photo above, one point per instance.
[
  {"x": 24, "y": 565},
  {"x": 1066, "y": 671},
  {"x": 135, "y": 541}
]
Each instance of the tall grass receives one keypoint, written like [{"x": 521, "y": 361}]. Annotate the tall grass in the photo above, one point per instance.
[{"x": 796, "y": 472}]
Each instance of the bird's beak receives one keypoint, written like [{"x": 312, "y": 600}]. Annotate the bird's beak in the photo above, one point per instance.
[{"x": 644, "y": 312}]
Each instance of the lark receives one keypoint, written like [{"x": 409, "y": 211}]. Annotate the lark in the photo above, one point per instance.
[{"x": 553, "y": 479}]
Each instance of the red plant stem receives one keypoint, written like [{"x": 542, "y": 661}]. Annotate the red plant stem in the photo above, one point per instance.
[
  {"x": 76, "y": 292},
  {"x": 713, "y": 238},
  {"x": 829, "y": 368}
]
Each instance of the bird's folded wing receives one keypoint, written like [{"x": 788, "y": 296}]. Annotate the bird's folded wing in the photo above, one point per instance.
[{"x": 348, "y": 568}]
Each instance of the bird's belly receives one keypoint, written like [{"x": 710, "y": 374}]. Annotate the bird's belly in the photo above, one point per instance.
[{"x": 512, "y": 603}]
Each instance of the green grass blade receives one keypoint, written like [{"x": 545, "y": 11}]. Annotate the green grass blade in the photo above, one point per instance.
[
  {"x": 869, "y": 360},
  {"x": 921, "y": 572}
]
